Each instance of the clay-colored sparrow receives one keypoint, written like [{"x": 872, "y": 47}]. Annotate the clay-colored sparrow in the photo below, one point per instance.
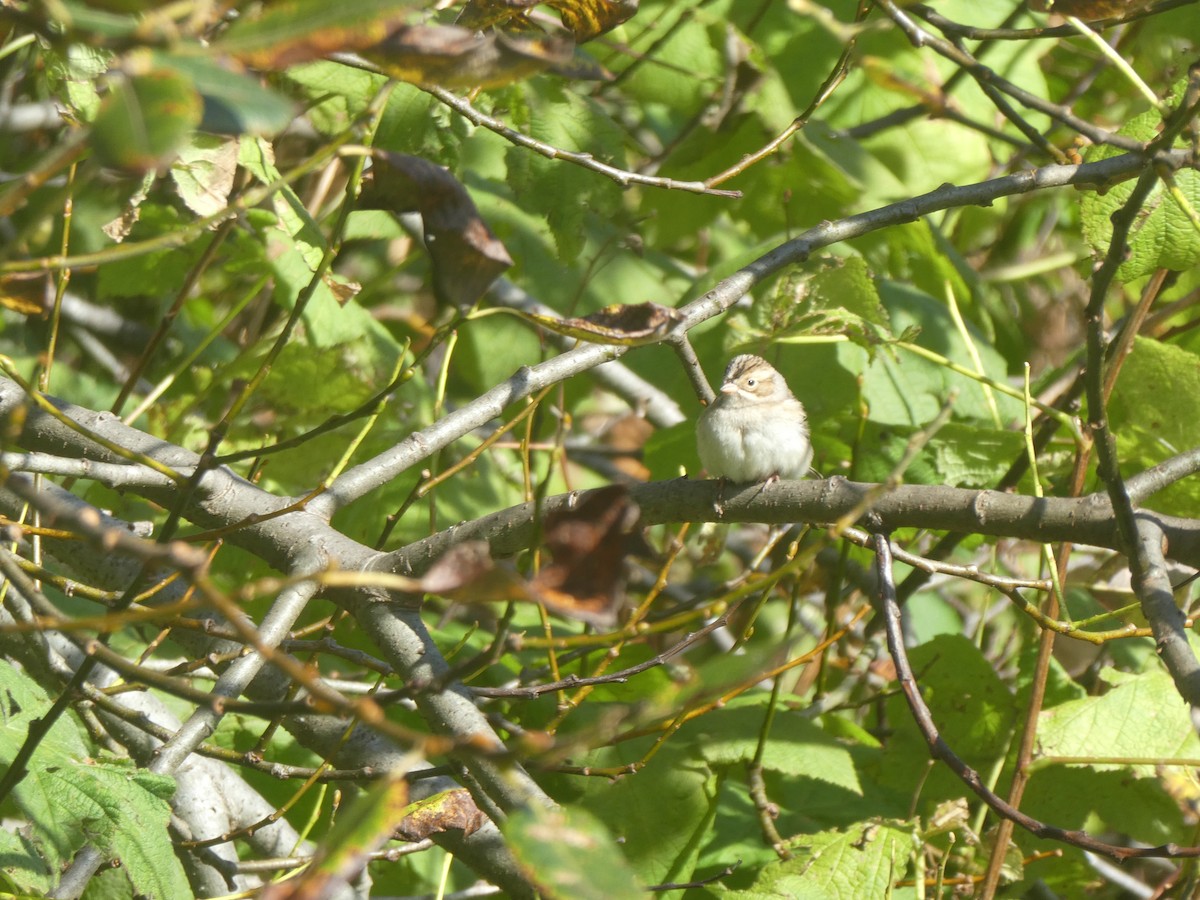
[{"x": 755, "y": 430}]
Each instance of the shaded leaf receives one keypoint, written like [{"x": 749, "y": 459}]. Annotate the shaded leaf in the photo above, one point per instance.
[
  {"x": 294, "y": 31},
  {"x": 27, "y": 293},
  {"x": 663, "y": 815},
  {"x": 467, "y": 257},
  {"x": 235, "y": 101},
  {"x": 569, "y": 854},
  {"x": 455, "y": 57},
  {"x": 145, "y": 119},
  {"x": 973, "y": 457},
  {"x": 361, "y": 829},
  {"x": 565, "y": 195},
  {"x": 24, "y": 868},
  {"x": 795, "y": 747}
]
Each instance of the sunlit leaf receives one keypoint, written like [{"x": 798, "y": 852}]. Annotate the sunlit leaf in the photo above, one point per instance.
[
  {"x": 203, "y": 173},
  {"x": 1164, "y": 233},
  {"x": 864, "y": 860}
]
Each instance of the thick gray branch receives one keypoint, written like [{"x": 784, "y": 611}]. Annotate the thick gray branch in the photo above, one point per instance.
[
  {"x": 1084, "y": 520},
  {"x": 1152, "y": 585}
]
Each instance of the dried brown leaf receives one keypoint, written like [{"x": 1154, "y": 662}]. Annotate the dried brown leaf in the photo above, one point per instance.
[
  {"x": 586, "y": 19},
  {"x": 628, "y": 324},
  {"x": 452, "y": 810},
  {"x": 28, "y": 293},
  {"x": 1089, "y": 10},
  {"x": 467, "y": 257},
  {"x": 587, "y": 546},
  {"x": 454, "y": 57}
]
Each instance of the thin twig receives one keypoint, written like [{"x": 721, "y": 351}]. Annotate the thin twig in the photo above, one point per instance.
[
  {"x": 919, "y": 37},
  {"x": 623, "y": 177}
]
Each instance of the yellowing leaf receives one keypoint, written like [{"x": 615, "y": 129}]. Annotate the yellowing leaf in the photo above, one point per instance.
[{"x": 585, "y": 18}]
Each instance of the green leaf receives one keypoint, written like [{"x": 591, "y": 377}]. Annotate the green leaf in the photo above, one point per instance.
[
  {"x": 795, "y": 747},
  {"x": 668, "y": 450},
  {"x": 1163, "y": 235},
  {"x": 21, "y": 702},
  {"x": 865, "y": 860},
  {"x": 157, "y": 274},
  {"x": 633, "y": 809},
  {"x": 234, "y": 102},
  {"x": 1152, "y": 423},
  {"x": 203, "y": 173},
  {"x": 1102, "y": 801},
  {"x": 146, "y": 117},
  {"x": 344, "y": 92},
  {"x": 73, "y": 799},
  {"x": 902, "y": 388},
  {"x": 840, "y": 299},
  {"x": 1141, "y": 717},
  {"x": 925, "y": 154},
  {"x": 569, "y": 854},
  {"x": 125, "y": 812},
  {"x": 678, "y": 216},
  {"x": 970, "y": 456},
  {"x": 687, "y": 67},
  {"x": 295, "y": 221},
  {"x": 974, "y": 711},
  {"x": 492, "y": 349},
  {"x": 74, "y": 74},
  {"x": 566, "y": 193},
  {"x": 333, "y": 384}
]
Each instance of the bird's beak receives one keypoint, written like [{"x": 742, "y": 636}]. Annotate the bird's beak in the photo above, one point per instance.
[{"x": 729, "y": 388}]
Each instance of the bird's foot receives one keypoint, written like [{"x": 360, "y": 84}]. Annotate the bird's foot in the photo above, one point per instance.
[{"x": 719, "y": 503}]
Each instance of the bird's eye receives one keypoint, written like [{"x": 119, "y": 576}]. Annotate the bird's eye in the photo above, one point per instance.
[{"x": 750, "y": 382}]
